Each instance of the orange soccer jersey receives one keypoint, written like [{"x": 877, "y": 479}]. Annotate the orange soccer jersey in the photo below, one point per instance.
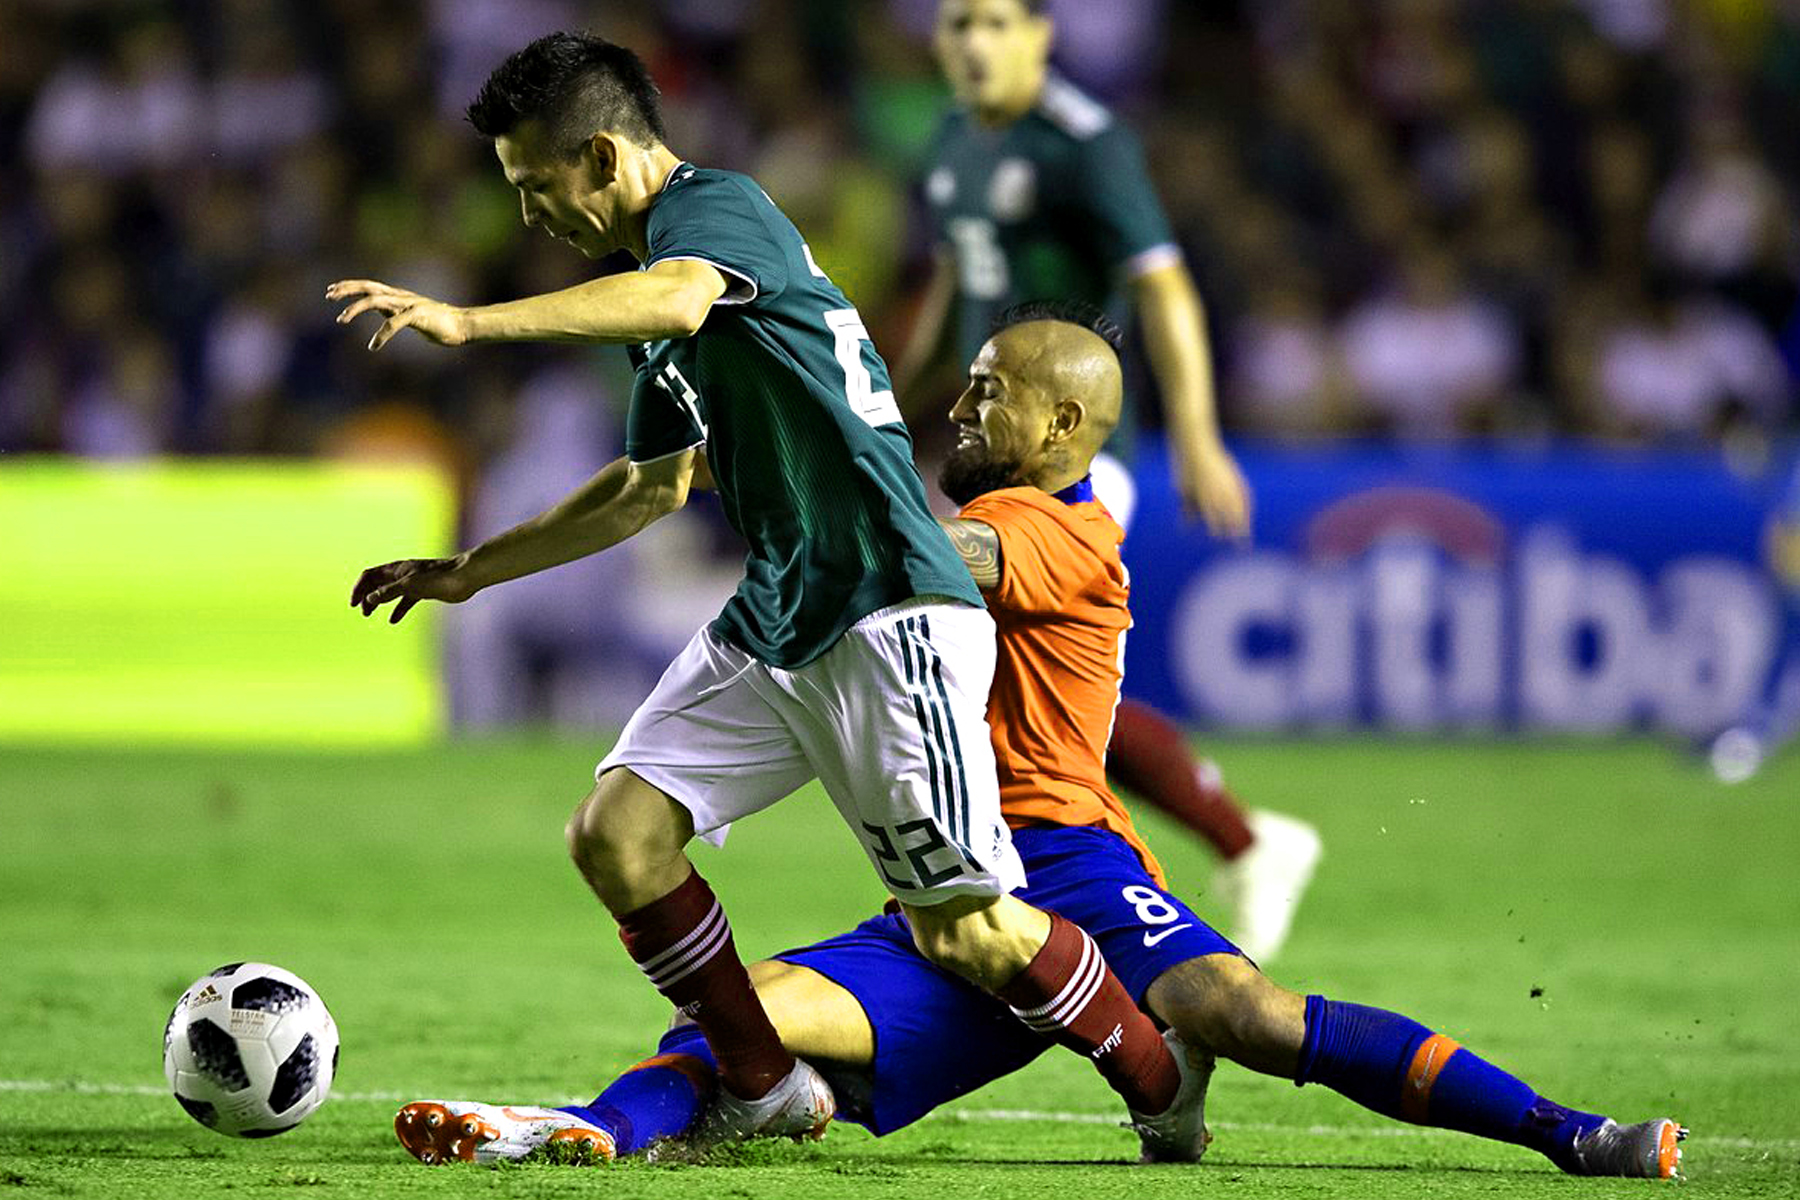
[{"x": 1061, "y": 612}]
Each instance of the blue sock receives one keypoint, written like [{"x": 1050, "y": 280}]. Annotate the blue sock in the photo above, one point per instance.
[
  {"x": 1401, "y": 1069},
  {"x": 658, "y": 1098}
]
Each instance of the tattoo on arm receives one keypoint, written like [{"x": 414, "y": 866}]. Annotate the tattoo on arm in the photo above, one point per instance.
[{"x": 979, "y": 547}]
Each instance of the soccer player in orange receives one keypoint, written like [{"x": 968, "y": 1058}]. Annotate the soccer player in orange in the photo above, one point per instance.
[
  {"x": 896, "y": 1036},
  {"x": 1036, "y": 189}
]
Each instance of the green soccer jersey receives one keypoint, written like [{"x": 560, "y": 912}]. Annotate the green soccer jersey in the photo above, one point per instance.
[
  {"x": 1058, "y": 205},
  {"x": 792, "y": 404}
]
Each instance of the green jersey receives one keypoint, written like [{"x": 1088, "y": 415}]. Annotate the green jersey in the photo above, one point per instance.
[
  {"x": 1057, "y": 205},
  {"x": 793, "y": 406}
]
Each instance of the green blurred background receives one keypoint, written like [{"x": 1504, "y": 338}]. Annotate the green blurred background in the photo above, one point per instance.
[{"x": 207, "y": 602}]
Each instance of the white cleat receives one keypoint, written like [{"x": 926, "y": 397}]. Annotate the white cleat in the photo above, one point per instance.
[
  {"x": 1263, "y": 885},
  {"x": 1735, "y": 755},
  {"x": 441, "y": 1131},
  {"x": 1647, "y": 1150},
  {"x": 1179, "y": 1135},
  {"x": 799, "y": 1107}
]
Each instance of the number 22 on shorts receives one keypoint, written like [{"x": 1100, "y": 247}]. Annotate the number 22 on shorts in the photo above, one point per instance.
[{"x": 922, "y": 875}]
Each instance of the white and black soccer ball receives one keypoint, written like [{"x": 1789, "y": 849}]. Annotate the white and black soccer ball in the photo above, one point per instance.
[{"x": 250, "y": 1050}]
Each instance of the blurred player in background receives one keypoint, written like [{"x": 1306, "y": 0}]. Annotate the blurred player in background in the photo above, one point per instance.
[
  {"x": 1037, "y": 191},
  {"x": 898, "y": 1037},
  {"x": 857, "y": 650},
  {"x": 1773, "y": 715}
]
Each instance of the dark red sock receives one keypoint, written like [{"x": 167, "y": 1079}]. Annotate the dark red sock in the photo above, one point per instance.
[
  {"x": 1149, "y": 757},
  {"x": 683, "y": 943},
  {"x": 1069, "y": 995}
]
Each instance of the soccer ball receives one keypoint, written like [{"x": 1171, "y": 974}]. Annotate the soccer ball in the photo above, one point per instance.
[{"x": 250, "y": 1050}]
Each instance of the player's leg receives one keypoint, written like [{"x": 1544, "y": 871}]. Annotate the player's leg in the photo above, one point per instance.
[
  {"x": 1149, "y": 754},
  {"x": 1267, "y": 858},
  {"x": 1054, "y": 979},
  {"x": 629, "y": 842},
  {"x": 894, "y": 720},
  {"x": 1149, "y": 757},
  {"x": 896, "y": 1037},
  {"x": 664, "y": 1096},
  {"x": 703, "y": 750},
  {"x": 1394, "y": 1065},
  {"x": 1773, "y": 715},
  {"x": 626, "y": 839},
  {"x": 1195, "y": 981}
]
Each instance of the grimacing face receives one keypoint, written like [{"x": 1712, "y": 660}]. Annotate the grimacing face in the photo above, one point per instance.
[
  {"x": 993, "y": 52},
  {"x": 1000, "y": 420},
  {"x": 566, "y": 198}
]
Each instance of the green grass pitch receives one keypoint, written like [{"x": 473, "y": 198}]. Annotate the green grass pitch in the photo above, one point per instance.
[{"x": 1598, "y": 916}]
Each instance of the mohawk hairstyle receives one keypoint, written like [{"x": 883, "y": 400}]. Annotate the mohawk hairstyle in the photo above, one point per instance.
[
  {"x": 1071, "y": 312},
  {"x": 578, "y": 85}
]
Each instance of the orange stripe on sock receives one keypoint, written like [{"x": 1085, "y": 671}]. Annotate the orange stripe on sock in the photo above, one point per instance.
[
  {"x": 694, "y": 1068},
  {"x": 1428, "y": 1062}
]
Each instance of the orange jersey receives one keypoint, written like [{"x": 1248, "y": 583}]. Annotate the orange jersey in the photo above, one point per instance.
[{"x": 1061, "y": 610}]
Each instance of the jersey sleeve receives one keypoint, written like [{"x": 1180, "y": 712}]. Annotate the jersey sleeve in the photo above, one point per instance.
[
  {"x": 658, "y": 424},
  {"x": 1043, "y": 565},
  {"x": 1131, "y": 231},
  {"x": 713, "y": 219}
]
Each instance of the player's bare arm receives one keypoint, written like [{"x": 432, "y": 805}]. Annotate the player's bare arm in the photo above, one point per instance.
[
  {"x": 670, "y": 300},
  {"x": 979, "y": 546},
  {"x": 702, "y": 478},
  {"x": 620, "y": 500},
  {"x": 1174, "y": 324}
]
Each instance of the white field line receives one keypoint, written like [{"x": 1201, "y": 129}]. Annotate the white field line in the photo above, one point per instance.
[
  {"x": 1385, "y": 1131},
  {"x": 81, "y": 1087}
]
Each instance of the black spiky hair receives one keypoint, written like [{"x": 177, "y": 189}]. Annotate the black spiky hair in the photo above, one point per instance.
[
  {"x": 1072, "y": 312},
  {"x": 578, "y": 85}
]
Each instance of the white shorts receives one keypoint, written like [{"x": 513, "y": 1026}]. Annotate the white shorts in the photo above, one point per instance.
[{"x": 892, "y": 720}]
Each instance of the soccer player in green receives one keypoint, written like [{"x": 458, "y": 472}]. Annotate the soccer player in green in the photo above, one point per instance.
[
  {"x": 1037, "y": 192},
  {"x": 856, "y": 650}
]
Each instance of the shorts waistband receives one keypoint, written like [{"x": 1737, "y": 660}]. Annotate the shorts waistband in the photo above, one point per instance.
[{"x": 910, "y": 603}]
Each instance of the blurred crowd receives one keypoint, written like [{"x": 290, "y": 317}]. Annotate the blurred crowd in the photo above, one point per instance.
[
  {"x": 1410, "y": 218},
  {"x": 1415, "y": 217}
]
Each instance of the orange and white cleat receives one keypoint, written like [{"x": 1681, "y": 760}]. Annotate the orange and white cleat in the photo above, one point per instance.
[{"x": 441, "y": 1131}]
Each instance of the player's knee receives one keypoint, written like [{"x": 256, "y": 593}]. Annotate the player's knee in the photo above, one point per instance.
[
  {"x": 627, "y": 840},
  {"x": 601, "y": 843},
  {"x": 1223, "y": 1002},
  {"x": 585, "y": 834}
]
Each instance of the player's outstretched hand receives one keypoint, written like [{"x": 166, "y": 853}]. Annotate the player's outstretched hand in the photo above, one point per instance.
[
  {"x": 1212, "y": 486},
  {"x": 409, "y": 581},
  {"x": 445, "y": 324}
]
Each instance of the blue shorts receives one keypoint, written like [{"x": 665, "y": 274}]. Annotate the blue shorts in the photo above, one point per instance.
[{"x": 938, "y": 1037}]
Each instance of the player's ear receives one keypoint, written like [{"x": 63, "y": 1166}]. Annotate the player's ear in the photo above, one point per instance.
[
  {"x": 1065, "y": 418},
  {"x": 602, "y": 157}
]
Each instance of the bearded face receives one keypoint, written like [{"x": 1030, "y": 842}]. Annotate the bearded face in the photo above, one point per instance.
[{"x": 973, "y": 469}]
